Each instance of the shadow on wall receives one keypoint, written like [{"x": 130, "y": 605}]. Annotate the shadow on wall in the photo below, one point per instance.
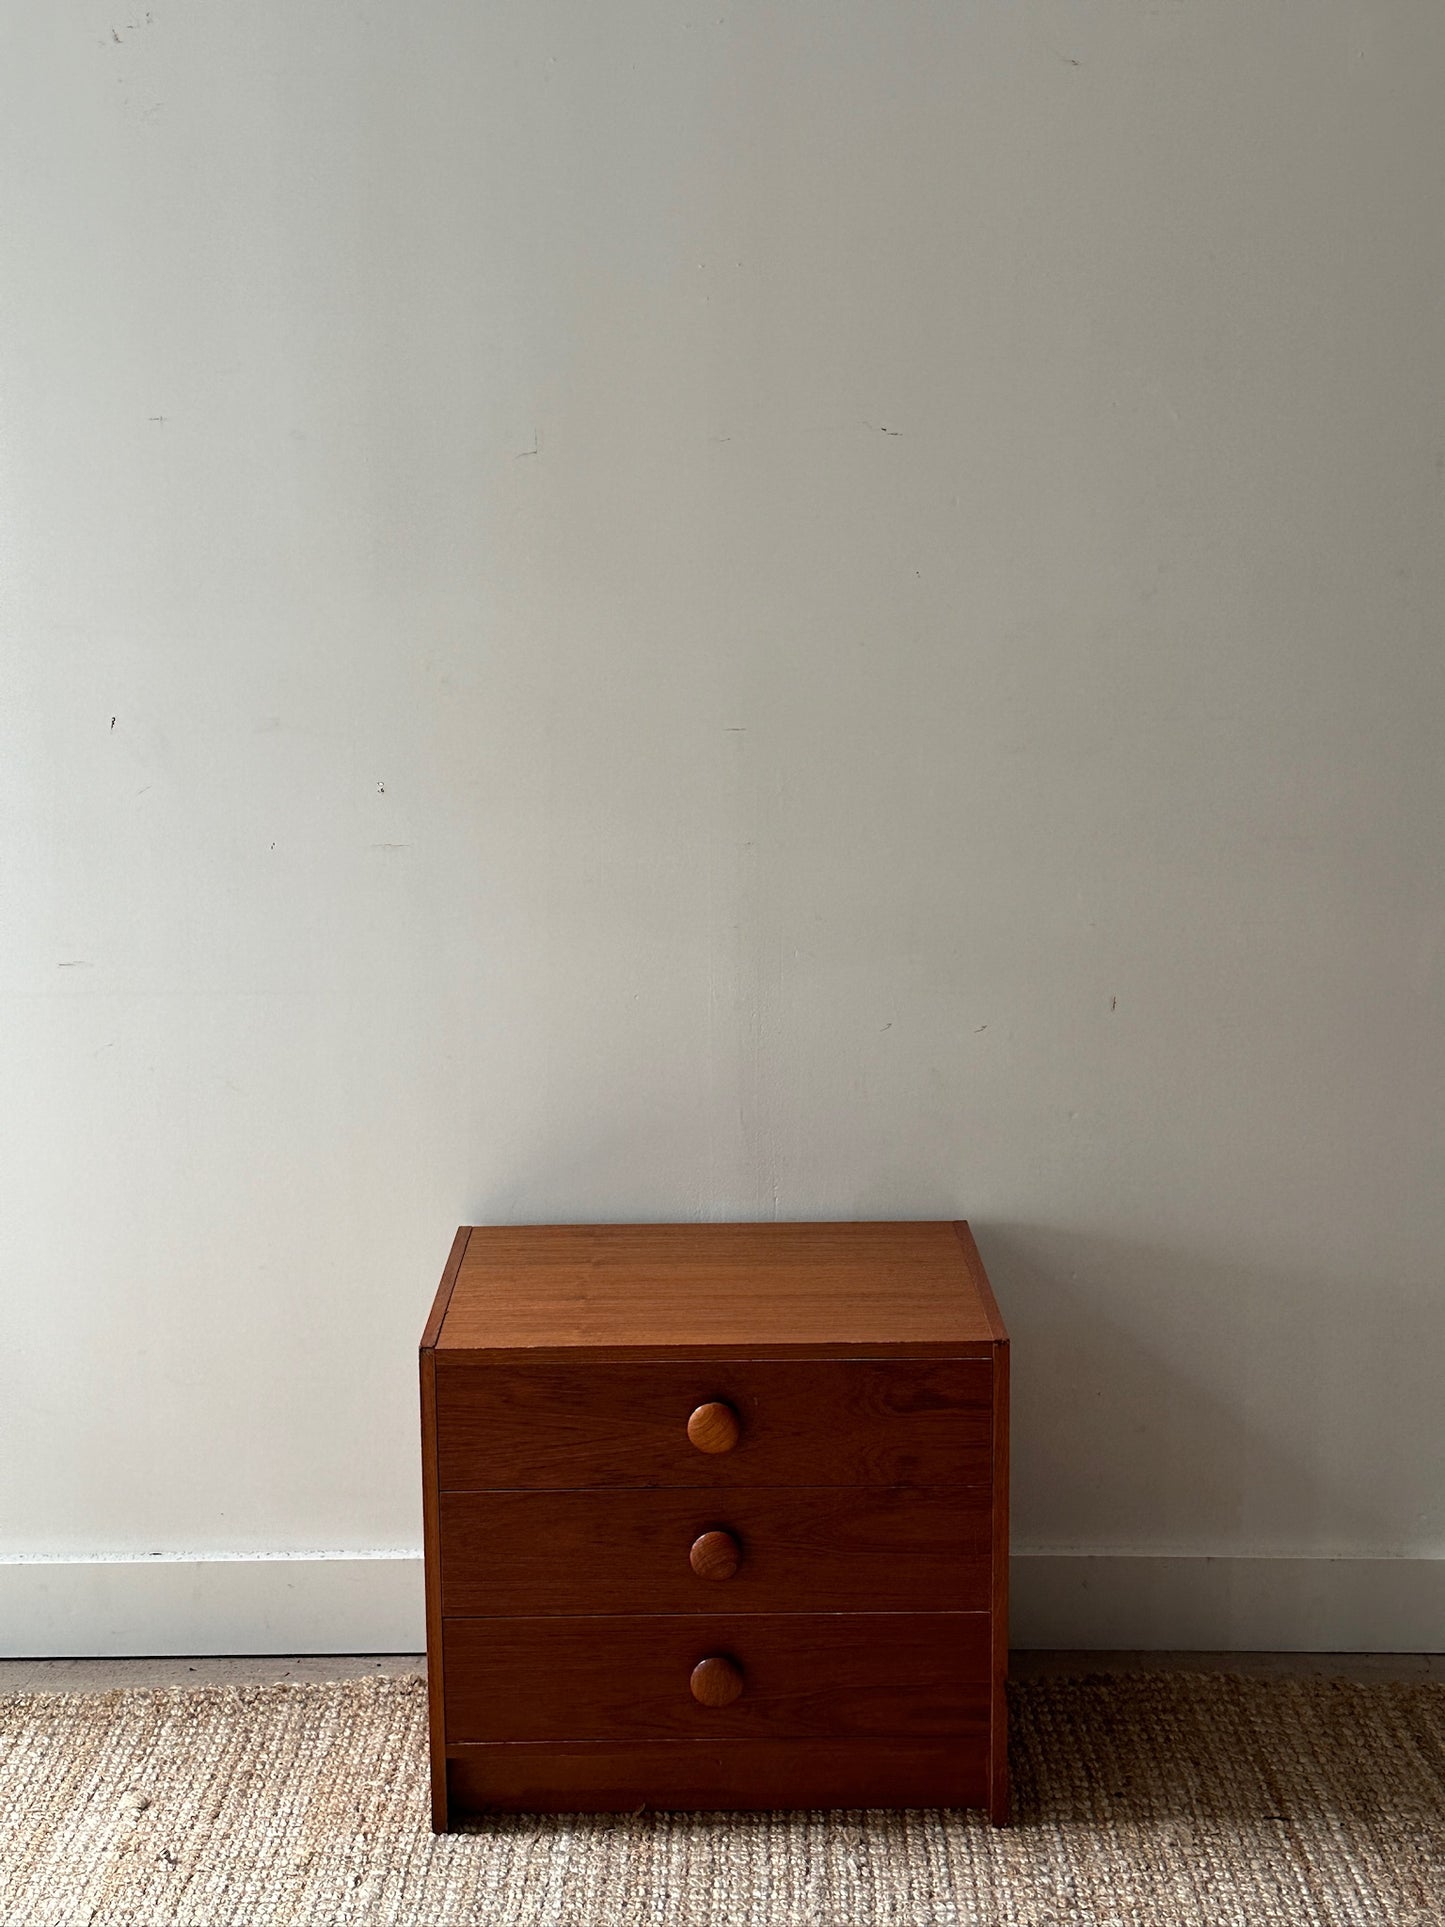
[{"x": 1164, "y": 1402}]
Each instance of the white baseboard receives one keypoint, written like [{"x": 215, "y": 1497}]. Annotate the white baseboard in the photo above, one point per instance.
[
  {"x": 372, "y": 1603},
  {"x": 1129, "y": 1602},
  {"x": 366, "y": 1602}
]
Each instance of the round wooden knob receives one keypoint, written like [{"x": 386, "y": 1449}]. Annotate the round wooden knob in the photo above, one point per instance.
[
  {"x": 714, "y": 1428},
  {"x": 715, "y": 1555},
  {"x": 716, "y": 1681}
]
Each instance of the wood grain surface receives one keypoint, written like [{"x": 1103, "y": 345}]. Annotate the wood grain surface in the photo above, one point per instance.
[
  {"x": 716, "y": 1681},
  {"x": 841, "y": 1675},
  {"x": 713, "y": 1776},
  {"x": 714, "y": 1556},
  {"x": 998, "y": 1772},
  {"x": 820, "y": 1549},
  {"x": 538, "y": 1424},
  {"x": 716, "y": 1517},
  {"x": 432, "y": 1560},
  {"x": 978, "y": 1281},
  {"x": 714, "y": 1428},
  {"x": 813, "y": 1287}
]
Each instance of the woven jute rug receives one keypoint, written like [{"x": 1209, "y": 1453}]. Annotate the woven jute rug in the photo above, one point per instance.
[{"x": 1142, "y": 1801}]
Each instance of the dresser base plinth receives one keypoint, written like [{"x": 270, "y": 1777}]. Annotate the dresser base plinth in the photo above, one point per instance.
[{"x": 688, "y": 1776}]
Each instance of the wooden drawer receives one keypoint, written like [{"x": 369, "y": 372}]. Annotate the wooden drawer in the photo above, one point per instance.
[
  {"x": 534, "y": 1425},
  {"x": 827, "y": 1548},
  {"x": 690, "y": 1776},
  {"x": 845, "y": 1676}
]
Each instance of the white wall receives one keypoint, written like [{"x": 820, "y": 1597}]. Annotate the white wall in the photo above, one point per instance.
[{"x": 653, "y": 610}]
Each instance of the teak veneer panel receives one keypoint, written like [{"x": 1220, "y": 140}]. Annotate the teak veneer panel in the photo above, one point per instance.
[
  {"x": 705, "y": 1776},
  {"x": 998, "y": 1774},
  {"x": 761, "y": 1466},
  {"x": 812, "y": 1287},
  {"x": 822, "y": 1676},
  {"x": 432, "y": 1564},
  {"x": 843, "y": 1548},
  {"x": 534, "y": 1424}
]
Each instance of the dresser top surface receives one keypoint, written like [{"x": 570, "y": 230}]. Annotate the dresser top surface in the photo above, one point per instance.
[{"x": 824, "y": 1288}]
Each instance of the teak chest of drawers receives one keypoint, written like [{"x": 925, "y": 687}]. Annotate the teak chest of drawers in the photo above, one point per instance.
[{"x": 716, "y": 1516}]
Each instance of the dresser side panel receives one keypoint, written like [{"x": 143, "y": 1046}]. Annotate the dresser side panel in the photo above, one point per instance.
[
  {"x": 432, "y": 1564},
  {"x": 998, "y": 1786},
  {"x": 431, "y": 1526}
]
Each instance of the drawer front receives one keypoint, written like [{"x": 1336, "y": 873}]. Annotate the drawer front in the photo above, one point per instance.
[
  {"x": 533, "y": 1425},
  {"x": 765, "y": 1549},
  {"x": 849, "y": 1675},
  {"x": 757, "y": 1775}
]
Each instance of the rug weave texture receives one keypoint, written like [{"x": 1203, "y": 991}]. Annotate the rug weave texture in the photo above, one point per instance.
[{"x": 1141, "y": 1801}]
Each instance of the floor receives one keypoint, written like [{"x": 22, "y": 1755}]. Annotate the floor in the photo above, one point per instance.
[
  {"x": 1146, "y": 1798},
  {"x": 99, "y": 1675}
]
